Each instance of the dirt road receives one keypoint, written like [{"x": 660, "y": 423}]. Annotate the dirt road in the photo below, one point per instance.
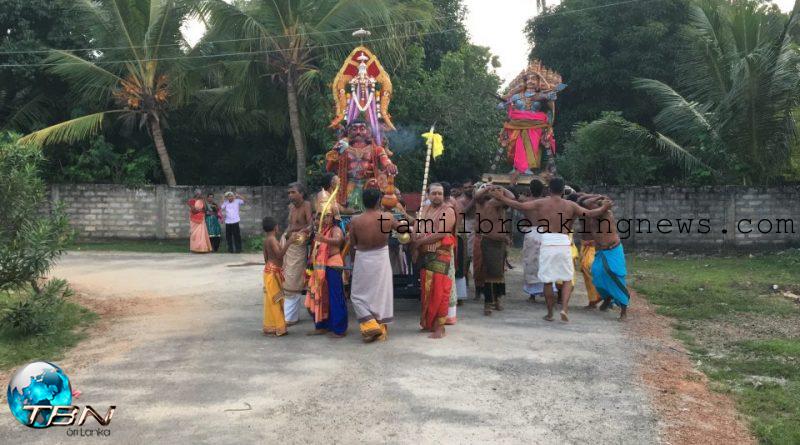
[{"x": 184, "y": 361}]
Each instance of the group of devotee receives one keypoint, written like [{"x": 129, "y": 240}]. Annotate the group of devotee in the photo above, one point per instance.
[
  {"x": 459, "y": 231},
  {"x": 206, "y": 218}
]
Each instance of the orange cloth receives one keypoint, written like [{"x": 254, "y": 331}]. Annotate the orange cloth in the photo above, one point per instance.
[
  {"x": 274, "y": 322},
  {"x": 436, "y": 285},
  {"x": 587, "y": 259}
]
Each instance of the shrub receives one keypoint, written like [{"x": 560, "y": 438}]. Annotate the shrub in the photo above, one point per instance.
[{"x": 30, "y": 240}]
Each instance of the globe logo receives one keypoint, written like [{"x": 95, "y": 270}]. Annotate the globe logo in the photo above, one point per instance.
[{"x": 38, "y": 383}]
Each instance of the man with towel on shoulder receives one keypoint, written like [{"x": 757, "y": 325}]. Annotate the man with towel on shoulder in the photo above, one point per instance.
[
  {"x": 556, "y": 216},
  {"x": 296, "y": 258}
]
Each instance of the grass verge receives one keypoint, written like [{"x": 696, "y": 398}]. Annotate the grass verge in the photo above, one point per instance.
[
  {"x": 249, "y": 245},
  {"x": 744, "y": 333},
  {"x": 70, "y": 328}
]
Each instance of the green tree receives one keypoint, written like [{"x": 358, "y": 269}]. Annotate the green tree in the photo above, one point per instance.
[
  {"x": 739, "y": 85},
  {"x": 613, "y": 151},
  {"x": 137, "y": 73},
  {"x": 290, "y": 39},
  {"x": 30, "y": 241},
  {"x": 28, "y": 95},
  {"x": 599, "y": 47},
  {"x": 460, "y": 97}
]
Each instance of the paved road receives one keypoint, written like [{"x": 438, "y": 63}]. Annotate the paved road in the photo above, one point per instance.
[{"x": 188, "y": 364}]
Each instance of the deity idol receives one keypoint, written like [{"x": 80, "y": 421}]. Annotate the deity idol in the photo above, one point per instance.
[
  {"x": 362, "y": 91},
  {"x": 360, "y": 163},
  {"x": 531, "y": 112}
]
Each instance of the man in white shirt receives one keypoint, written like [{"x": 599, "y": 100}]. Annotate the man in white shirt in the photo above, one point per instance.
[{"x": 231, "y": 207}]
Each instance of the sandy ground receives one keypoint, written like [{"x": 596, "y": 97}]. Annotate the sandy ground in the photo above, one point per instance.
[{"x": 181, "y": 355}]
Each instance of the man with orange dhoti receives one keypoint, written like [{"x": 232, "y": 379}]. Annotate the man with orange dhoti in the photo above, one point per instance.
[{"x": 435, "y": 241}]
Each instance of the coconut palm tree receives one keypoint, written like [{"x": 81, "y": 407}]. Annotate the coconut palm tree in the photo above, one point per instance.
[
  {"x": 288, "y": 40},
  {"x": 137, "y": 73},
  {"x": 739, "y": 85}
]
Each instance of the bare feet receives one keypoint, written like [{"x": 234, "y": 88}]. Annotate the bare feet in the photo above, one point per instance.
[
  {"x": 318, "y": 332},
  {"x": 623, "y": 314},
  {"x": 335, "y": 335},
  {"x": 498, "y": 305},
  {"x": 548, "y": 317},
  {"x": 438, "y": 332},
  {"x": 591, "y": 306},
  {"x": 564, "y": 316}
]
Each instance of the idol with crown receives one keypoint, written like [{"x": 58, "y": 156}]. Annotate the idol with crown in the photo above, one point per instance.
[{"x": 362, "y": 91}]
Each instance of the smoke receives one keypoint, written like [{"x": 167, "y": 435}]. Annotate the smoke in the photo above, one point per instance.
[{"x": 405, "y": 139}]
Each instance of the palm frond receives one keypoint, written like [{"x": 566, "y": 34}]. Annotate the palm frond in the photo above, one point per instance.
[
  {"x": 680, "y": 154},
  {"x": 70, "y": 131},
  {"x": 88, "y": 80},
  {"x": 32, "y": 114},
  {"x": 677, "y": 116}
]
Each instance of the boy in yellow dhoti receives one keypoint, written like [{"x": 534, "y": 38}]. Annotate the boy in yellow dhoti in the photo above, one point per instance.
[{"x": 274, "y": 323}]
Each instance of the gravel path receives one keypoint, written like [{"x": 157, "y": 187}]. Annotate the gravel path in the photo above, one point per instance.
[{"x": 184, "y": 362}]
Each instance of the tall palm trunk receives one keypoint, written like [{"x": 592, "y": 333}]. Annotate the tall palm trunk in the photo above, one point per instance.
[
  {"x": 161, "y": 148},
  {"x": 294, "y": 123}
]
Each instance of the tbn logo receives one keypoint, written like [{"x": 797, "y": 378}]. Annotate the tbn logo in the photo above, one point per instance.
[{"x": 68, "y": 414}]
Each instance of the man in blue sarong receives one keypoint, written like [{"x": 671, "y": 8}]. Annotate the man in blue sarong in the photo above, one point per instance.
[{"x": 608, "y": 269}]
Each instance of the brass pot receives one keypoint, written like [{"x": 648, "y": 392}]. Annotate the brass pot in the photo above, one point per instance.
[{"x": 404, "y": 238}]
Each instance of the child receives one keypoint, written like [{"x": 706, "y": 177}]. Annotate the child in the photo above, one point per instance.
[{"x": 274, "y": 323}]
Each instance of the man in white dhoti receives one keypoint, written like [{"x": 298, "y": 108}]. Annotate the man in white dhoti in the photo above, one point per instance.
[
  {"x": 464, "y": 231},
  {"x": 530, "y": 246},
  {"x": 554, "y": 218},
  {"x": 371, "y": 288}
]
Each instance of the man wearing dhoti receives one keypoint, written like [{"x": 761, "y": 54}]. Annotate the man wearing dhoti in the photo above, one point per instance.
[
  {"x": 274, "y": 323},
  {"x": 608, "y": 269},
  {"x": 325, "y": 297},
  {"x": 493, "y": 247},
  {"x": 555, "y": 219},
  {"x": 530, "y": 246},
  {"x": 452, "y": 309},
  {"x": 371, "y": 289},
  {"x": 295, "y": 261},
  {"x": 479, "y": 201},
  {"x": 464, "y": 228},
  {"x": 435, "y": 240}
]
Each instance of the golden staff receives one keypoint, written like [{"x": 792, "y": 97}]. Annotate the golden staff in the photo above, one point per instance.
[{"x": 424, "y": 193}]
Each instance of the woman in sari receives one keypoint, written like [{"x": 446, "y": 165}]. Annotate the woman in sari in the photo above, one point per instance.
[
  {"x": 199, "y": 241},
  {"x": 213, "y": 219}
]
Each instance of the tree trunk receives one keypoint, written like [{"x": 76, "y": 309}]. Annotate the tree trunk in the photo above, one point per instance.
[
  {"x": 294, "y": 123},
  {"x": 161, "y": 148}
]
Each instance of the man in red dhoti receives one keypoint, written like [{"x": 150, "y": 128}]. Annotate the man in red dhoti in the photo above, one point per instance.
[{"x": 435, "y": 241}]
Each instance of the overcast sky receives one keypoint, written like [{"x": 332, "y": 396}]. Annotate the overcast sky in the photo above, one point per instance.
[{"x": 497, "y": 24}]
